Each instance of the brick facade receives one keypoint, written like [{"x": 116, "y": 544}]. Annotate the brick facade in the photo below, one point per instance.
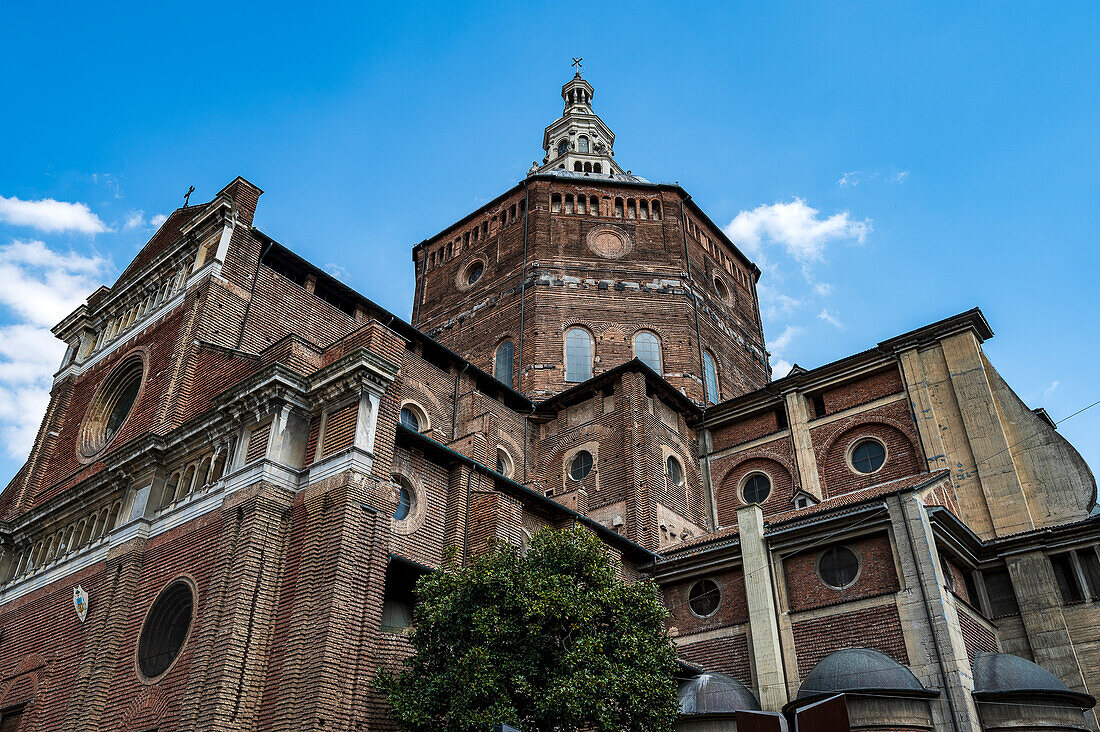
[{"x": 264, "y": 463}]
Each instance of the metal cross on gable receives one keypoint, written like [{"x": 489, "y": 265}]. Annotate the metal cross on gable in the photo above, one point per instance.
[{"x": 577, "y": 63}]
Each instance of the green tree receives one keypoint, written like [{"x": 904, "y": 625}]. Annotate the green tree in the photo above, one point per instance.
[{"x": 548, "y": 640}]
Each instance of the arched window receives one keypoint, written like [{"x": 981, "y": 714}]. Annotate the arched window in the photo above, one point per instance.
[
  {"x": 647, "y": 349},
  {"x": 588, "y": 167},
  {"x": 582, "y": 144},
  {"x": 563, "y": 146},
  {"x": 656, "y": 210},
  {"x": 555, "y": 203},
  {"x": 618, "y": 208},
  {"x": 578, "y": 167},
  {"x": 504, "y": 462},
  {"x": 578, "y": 355},
  {"x": 674, "y": 472},
  {"x": 597, "y": 168},
  {"x": 710, "y": 377},
  {"x": 643, "y": 209},
  {"x": 410, "y": 418},
  {"x": 502, "y": 363}
]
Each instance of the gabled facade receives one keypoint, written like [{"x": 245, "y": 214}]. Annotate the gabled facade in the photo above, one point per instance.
[{"x": 245, "y": 465}]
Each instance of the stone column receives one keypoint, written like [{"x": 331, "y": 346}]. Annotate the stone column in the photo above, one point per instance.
[
  {"x": 767, "y": 654},
  {"x": 798, "y": 418},
  {"x": 1040, "y": 603},
  {"x": 934, "y": 640}
]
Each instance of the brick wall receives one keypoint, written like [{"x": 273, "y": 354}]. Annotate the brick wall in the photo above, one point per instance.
[
  {"x": 878, "y": 628},
  {"x": 877, "y": 575},
  {"x": 732, "y": 609},
  {"x": 728, "y": 655}
]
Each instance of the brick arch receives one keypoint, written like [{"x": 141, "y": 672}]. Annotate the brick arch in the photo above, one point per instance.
[
  {"x": 145, "y": 712},
  {"x": 902, "y": 456},
  {"x": 779, "y": 469}
]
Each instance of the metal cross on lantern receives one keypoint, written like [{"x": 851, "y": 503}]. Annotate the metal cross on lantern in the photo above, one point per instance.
[{"x": 577, "y": 63}]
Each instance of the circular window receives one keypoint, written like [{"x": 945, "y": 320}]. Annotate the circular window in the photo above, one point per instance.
[
  {"x": 473, "y": 274},
  {"x": 704, "y": 598},
  {"x": 581, "y": 465},
  {"x": 111, "y": 406},
  {"x": 411, "y": 418},
  {"x": 609, "y": 242},
  {"x": 757, "y": 488},
  {"x": 165, "y": 630},
  {"x": 721, "y": 289},
  {"x": 404, "y": 501},
  {"x": 674, "y": 471},
  {"x": 838, "y": 567},
  {"x": 868, "y": 456}
]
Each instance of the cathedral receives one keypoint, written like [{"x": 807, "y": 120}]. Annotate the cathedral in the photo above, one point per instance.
[{"x": 245, "y": 466}]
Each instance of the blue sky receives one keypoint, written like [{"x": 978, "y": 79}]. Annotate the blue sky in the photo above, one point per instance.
[{"x": 887, "y": 167}]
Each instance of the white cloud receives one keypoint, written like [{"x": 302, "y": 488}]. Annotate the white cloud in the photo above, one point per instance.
[
  {"x": 784, "y": 339},
  {"x": 134, "y": 220},
  {"x": 338, "y": 271},
  {"x": 41, "y": 286},
  {"x": 50, "y": 216},
  {"x": 854, "y": 178},
  {"x": 780, "y": 368},
  {"x": 829, "y": 318},
  {"x": 777, "y": 346},
  {"x": 796, "y": 227},
  {"x": 1050, "y": 389},
  {"x": 824, "y": 289}
]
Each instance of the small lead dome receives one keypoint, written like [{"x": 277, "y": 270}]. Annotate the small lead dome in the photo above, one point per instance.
[
  {"x": 1006, "y": 674},
  {"x": 858, "y": 669},
  {"x": 710, "y": 693}
]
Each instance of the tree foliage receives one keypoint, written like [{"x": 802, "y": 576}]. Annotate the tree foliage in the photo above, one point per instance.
[{"x": 548, "y": 640}]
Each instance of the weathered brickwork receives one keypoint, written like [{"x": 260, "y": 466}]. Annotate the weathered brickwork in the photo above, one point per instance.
[
  {"x": 727, "y": 655},
  {"x": 877, "y": 575},
  {"x": 878, "y": 628},
  {"x": 264, "y": 460},
  {"x": 732, "y": 607}
]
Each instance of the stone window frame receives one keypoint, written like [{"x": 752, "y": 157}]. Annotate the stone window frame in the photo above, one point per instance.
[
  {"x": 419, "y": 508},
  {"x": 593, "y": 448},
  {"x": 462, "y": 279},
  {"x": 744, "y": 482},
  {"x": 724, "y": 291},
  {"x": 859, "y": 566},
  {"x": 717, "y": 397},
  {"x": 721, "y": 596},
  {"x": 660, "y": 348},
  {"x": 680, "y": 466},
  {"x": 189, "y": 580},
  {"x": 592, "y": 358},
  {"x": 858, "y": 440},
  {"x": 421, "y": 414},
  {"x": 100, "y": 400},
  {"x": 509, "y": 462}
]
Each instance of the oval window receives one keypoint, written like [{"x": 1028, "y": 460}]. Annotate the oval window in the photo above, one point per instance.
[
  {"x": 757, "y": 488},
  {"x": 868, "y": 456},
  {"x": 404, "y": 501},
  {"x": 166, "y": 628},
  {"x": 838, "y": 567},
  {"x": 111, "y": 406},
  {"x": 581, "y": 465},
  {"x": 473, "y": 274},
  {"x": 674, "y": 471},
  {"x": 704, "y": 598}
]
